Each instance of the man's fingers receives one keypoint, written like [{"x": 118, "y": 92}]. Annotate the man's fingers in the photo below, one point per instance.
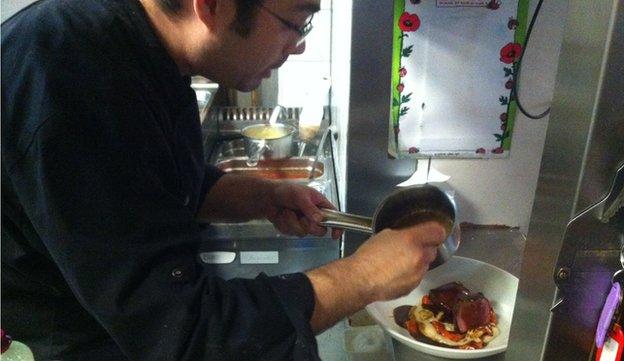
[
  {"x": 312, "y": 228},
  {"x": 278, "y": 222},
  {"x": 336, "y": 233},
  {"x": 310, "y": 203},
  {"x": 300, "y": 211},
  {"x": 309, "y": 210},
  {"x": 431, "y": 253},
  {"x": 428, "y": 233},
  {"x": 294, "y": 224}
]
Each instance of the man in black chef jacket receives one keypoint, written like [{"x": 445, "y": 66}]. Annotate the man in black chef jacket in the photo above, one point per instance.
[{"x": 104, "y": 180}]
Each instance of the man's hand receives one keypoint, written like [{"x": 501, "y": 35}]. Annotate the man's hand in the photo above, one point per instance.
[
  {"x": 292, "y": 208},
  {"x": 395, "y": 261},
  {"x": 389, "y": 265}
]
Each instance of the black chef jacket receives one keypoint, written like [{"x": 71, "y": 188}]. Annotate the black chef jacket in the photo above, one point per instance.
[{"x": 102, "y": 176}]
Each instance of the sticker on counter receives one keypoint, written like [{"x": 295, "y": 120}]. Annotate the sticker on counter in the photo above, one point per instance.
[
  {"x": 218, "y": 257},
  {"x": 259, "y": 257}
]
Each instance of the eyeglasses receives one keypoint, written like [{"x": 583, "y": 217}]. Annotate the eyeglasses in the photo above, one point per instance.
[{"x": 302, "y": 30}]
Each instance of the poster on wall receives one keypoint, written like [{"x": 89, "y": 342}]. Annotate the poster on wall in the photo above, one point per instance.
[{"x": 452, "y": 77}]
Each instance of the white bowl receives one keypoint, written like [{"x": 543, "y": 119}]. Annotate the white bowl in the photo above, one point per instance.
[{"x": 497, "y": 285}]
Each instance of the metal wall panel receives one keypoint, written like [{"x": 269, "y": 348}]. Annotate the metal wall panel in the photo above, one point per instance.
[
  {"x": 370, "y": 173},
  {"x": 584, "y": 146}
]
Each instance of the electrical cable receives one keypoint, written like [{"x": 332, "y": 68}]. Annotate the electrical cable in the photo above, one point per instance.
[{"x": 516, "y": 74}]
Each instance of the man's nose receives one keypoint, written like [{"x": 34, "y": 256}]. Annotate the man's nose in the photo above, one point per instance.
[{"x": 299, "y": 47}]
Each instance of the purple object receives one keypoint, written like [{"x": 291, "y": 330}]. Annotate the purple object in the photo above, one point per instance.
[{"x": 608, "y": 310}]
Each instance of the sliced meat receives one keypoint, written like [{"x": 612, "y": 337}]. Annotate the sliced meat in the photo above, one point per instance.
[
  {"x": 401, "y": 314},
  {"x": 472, "y": 311},
  {"x": 447, "y": 295}
]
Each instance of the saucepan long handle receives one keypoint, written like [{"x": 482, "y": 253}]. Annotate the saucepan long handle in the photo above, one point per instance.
[{"x": 348, "y": 221}]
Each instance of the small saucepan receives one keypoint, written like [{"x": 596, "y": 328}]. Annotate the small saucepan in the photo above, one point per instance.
[
  {"x": 269, "y": 141},
  {"x": 406, "y": 207}
]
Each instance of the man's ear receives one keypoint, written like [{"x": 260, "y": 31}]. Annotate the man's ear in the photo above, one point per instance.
[{"x": 206, "y": 10}]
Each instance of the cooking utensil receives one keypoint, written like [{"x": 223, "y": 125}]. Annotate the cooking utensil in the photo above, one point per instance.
[
  {"x": 319, "y": 151},
  {"x": 275, "y": 114},
  {"x": 295, "y": 168},
  {"x": 403, "y": 208},
  {"x": 428, "y": 170},
  {"x": 497, "y": 285},
  {"x": 269, "y": 141}
]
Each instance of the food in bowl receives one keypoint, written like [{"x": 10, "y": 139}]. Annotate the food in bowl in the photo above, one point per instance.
[
  {"x": 452, "y": 316},
  {"x": 266, "y": 132}
]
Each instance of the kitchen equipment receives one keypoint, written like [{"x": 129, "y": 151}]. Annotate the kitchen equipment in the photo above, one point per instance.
[
  {"x": 306, "y": 134},
  {"x": 275, "y": 114},
  {"x": 576, "y": 233},
  {"x": 294, "y": 169},
  {"x": 406, "y": 207},
  {"x": 319, "y": 151},
  {"x": 497, "y": 285},
  {"x": 270, "y": 141},
  {"x": 231, "y": 120}
]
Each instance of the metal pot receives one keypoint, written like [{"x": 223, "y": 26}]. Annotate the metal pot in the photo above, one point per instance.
[
  {"x": 268, "y": 141},
  {"x": 403, "y": 208}
]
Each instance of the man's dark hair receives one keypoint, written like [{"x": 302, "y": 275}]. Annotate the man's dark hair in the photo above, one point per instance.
[{"x": 245, "y": 12}]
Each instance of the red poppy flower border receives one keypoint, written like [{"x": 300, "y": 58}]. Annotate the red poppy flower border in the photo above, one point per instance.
[
  {"x": 510, "y": 54},
  {"x": 407, "y": 23}
]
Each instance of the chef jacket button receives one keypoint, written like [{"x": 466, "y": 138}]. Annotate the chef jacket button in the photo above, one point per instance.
[
  {"x": 187, "y": 199},
  {"x": 177, "y": 273}
]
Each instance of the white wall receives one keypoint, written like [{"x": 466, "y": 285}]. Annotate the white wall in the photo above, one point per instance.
[
  {"x": 302, "y": 74},
  {"x": 9, "y": 7}
]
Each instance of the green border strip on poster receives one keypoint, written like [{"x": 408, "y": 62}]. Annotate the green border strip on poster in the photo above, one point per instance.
[
  {"x": 519, "y": 37},
  {"x": 397, "y": 45}
]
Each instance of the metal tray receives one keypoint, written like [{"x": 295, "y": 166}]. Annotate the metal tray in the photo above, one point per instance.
[
  {"x": 296, "y": 168},
  {"x": 232, "y": 119}
]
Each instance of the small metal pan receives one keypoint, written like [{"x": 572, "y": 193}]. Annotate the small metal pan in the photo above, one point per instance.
[{"x": 403, "y": 208}]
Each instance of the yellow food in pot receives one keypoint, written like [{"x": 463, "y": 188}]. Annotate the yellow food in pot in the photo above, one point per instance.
[{"x": 266, "y": 132}]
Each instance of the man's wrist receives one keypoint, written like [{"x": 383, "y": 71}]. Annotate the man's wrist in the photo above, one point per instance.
[
  {"x": 267, "y": 197},
  {"x": 341, "y": 289},
  {"x": 361, "y": 279}
]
